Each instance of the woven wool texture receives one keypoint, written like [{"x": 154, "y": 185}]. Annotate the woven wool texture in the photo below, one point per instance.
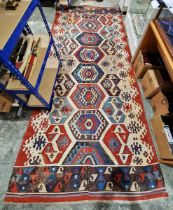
[{"x": 94, "y": 144}]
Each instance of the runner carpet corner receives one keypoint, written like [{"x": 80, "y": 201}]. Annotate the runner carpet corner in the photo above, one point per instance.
[{"x": 95, "y": 143}]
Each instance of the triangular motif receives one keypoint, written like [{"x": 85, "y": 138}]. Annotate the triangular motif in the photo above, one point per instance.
[
  {"x": 124, "y": 157},
  {"x": 132, "y": 170},
  {"x": 135, "y": 187},
  {"x": 52, "y": 156},
  {"x": 89, "y": 160}
]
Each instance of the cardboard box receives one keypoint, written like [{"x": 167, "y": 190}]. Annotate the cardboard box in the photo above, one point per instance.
[
  {"x": 153, "y": 81},
  {"x": 5, "y": 102},
  {"x": 150, "y": 84},
  {"x": 160, "y": 104},
  {"x": 147, "y": 60},
  {"x": 164, "y": 148}
]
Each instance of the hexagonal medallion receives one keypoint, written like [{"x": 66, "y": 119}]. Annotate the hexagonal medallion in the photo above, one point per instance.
[
  {"x": 89, "y": 25},
  {"x": 87, "y": 73},
  {"x": 89, "y": 39},
  {"x": 89, "y": 54},
  {"x": 88, "y": 125},
  {"x": 86, "y": 96}
]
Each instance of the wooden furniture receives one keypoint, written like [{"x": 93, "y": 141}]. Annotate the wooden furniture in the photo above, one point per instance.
[
  {"x": 153, "y": 41},
  {"x": 37, "y": 89},
  {"x": 164, "y": 149}
]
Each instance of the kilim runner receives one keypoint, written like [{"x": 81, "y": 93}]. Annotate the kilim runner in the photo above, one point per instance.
[{"x": 95, "y": 143}]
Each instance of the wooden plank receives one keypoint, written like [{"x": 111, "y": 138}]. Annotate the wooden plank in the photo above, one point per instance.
[
  {"x": 163, "y": 51},
  {"x": 147, "y": 43},
  {"x": 15, "y": 84},
  {"x": 9, "y": 19},
  {"x": 153, "y": 41},
  {"x": 46, "y": 85},
  {"x": 161, "y": 139}
]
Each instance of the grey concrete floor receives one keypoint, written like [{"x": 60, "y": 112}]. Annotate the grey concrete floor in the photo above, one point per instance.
[{"x": 11, "y": 133}]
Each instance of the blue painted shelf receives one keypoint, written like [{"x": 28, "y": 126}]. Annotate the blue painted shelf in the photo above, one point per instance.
[{"x": 14, "y": 22}]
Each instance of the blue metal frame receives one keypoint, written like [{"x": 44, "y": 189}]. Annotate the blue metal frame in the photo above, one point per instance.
[
  {"x": 48, "y": 29},
  {"x": 8, "y": 48},
  {"x": 51, "y": 99},
  {"x": 9, "y": 65},
  {"x": 43, "y": 65}
]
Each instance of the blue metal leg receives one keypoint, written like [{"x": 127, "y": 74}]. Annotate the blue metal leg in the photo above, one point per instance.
[
  {"x": 48, "y": 29},
  {"x": 22, "y": 102},
  {"x": 43, "y": 65},
  {"x": 59, "y": 66}
]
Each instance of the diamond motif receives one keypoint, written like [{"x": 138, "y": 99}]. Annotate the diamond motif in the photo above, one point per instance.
[
  {"x": 71, "y": 31},
  {"x": 109, "y": 20},
  {"x": 89, "y": 54},
  {"x": 116, "y": 141},
  {"x": 113, "y": 46},
  {"x": 86, "y": 96},
  {"x": 108, "y": 64},
  {"x": 89, "y": 25},
  {"x": 108, "y": 47},
  {"x": 113, "y": 64},
  {"x": 67, "y": 46},
  {"x": 66, "y": 32},
  {"x": 89, "y": 39},
  {"x": 88, "y": 125},
  {"x": 69, "y": 62},
  {"x": 107, "y": 32},
  {"x": 110, "y": 83},
  {"x": 64, "y": 85},
  {"x": 87, "y": 73},
  {"x": 58, "y": 142},
  {"x": 61, "y": 111},
  {"x": 112, "y": 108}
]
